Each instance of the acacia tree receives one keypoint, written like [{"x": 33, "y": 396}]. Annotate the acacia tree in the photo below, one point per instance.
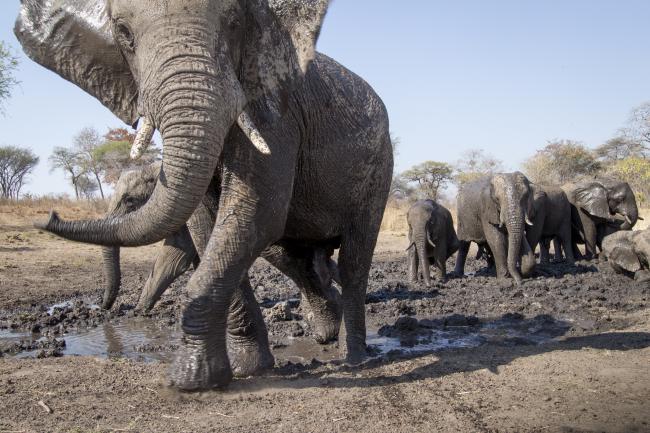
[
  {"x": 475, "y": 163},
  {"x": 15, "y": 165},
  {"x": 8, "y": 66},
  {"x": 115, "y": 154},
  {"x": 70, "y": 163},
  {"x": 636, "y": 172},
  {"x": 430, "y": 177}
]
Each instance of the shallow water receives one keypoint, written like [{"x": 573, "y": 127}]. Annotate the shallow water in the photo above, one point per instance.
[{"x": 142, "y": 339}]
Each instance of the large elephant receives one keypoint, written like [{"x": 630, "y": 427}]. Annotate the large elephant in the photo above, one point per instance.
[
  {"x": 494, "y": 210},
  {"x": 552, "y": 219},
  {"x": 300, "y": 143},
  {"x": 431, "y": 235},
  {"x": 628, "y": 252},
  {"x": 595, "y": 203}
]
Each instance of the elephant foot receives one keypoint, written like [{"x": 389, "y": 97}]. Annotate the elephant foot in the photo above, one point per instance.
[
  {"x": 248, "y": 358},
  {"x": 324, "y": 318},
  {"x": 355, "y": 355},
  {"x": 197, "y": 368}
]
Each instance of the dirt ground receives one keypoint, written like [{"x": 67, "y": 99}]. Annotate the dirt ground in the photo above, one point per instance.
[{"x": 569, "y": 351}]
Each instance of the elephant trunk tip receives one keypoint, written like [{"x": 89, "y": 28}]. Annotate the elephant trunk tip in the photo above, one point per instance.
[{"x": 52, "y": 220}]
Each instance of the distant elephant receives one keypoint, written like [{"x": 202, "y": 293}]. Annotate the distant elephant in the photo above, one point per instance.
[
  {"x": 594, "y": 204},
  {"x": 552, "y": 219},
  {"x": 493, "y": 210},
  {"x": 628, "y": 252},
  {"x": 431, "y": 235},
  {"x": 301, "y": 144}
]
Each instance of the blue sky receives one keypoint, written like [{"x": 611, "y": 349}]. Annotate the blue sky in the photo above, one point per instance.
[{"x": 505, "y": 76}]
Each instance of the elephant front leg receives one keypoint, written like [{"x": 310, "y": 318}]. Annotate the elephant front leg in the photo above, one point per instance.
[
  {"x": 247, "y": 338},
  {"x": 498, "y": 244},
  {"x": 461, "y": 257}
]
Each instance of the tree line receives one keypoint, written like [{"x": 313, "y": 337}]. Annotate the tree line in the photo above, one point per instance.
[{"x": 625, "y": 156}]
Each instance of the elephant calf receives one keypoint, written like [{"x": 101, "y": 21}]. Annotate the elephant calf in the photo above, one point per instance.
[
  {"x": 431, "y": 236},
  {"x": 628, "y": 252}
]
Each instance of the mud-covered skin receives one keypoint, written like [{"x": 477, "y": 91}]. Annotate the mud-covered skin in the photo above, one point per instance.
[
  {"x": 595, "y": 204},
  {"x": 494, "y": 210},
  {"x": 552, "y": 220},
  {"x": 629, "y": 253},
  {"x": 431, "y": 236}
]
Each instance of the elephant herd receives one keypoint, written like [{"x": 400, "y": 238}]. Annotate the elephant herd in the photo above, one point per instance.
[
  {"x": 270, "y": 149},
  {"x": 507, "y": 216}
]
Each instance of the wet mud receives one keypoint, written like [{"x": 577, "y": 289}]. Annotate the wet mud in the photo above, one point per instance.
[{"x": 403, "y": 318}]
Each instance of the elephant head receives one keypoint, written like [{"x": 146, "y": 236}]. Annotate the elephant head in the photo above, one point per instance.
[
  {"x": 508, "y": 203},
  {"x": 192, "y": 68},
  {"x": 131, "y": 192},
  {"x": 628, "y": 251},
  {"x": 604, "y": 198}
]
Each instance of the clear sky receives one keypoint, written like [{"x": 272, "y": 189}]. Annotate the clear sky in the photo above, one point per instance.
[{"x": 502, "y": 75}]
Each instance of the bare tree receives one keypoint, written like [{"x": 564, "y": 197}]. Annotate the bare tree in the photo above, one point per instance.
[
  {"x": 15, "y": 165},
  {"x": 619, "y": 148},
  {"x": 561, "y": 161},
  {"x": 8, "y": 66},
  {"x": 87, "y": 143},
  {"x": 476, "y": 163},
  {"x": 638, "y": 127},
  {"x": 69, "y": 161},
  {"x": 86, "y": 186}
]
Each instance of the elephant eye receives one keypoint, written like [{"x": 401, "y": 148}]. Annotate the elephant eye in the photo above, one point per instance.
[{"x": 124, "y": 35}]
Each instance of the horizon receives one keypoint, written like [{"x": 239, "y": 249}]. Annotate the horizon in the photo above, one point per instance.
[{"x": 505, "y": 78}]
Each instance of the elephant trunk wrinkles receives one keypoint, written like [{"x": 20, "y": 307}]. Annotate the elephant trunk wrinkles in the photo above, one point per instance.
[
  {"x": 113, "y": 275},
  {"x": 196, "y": 111},
  {"x": 514, "y": 225},
  {"x": 421, "y": 248},
  {"x": 631, "y": 214}
]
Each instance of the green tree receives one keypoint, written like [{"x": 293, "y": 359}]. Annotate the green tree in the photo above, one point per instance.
[
  {"x": 636, "y": 172},
  {"x": 475, "y": 163},
  {"x": 430, "y": 177},
  {"x": 115, "y": 151},
  {"x": 15, "y": 165},
  {"x": 8, "y": 67}
]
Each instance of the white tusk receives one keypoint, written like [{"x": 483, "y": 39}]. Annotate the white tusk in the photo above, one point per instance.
[
  {"x": 250, "y": 130},
  {"x": 528, "y": 221},
  {"x": 629, "y": 221},
  {"x": 142, "y": 138},
  {"x": 430, "y": 241}
]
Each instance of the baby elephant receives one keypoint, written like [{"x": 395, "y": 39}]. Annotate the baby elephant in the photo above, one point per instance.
[
  {"x": 431, "y": 235},
  {"x": 628, "y": 252}
]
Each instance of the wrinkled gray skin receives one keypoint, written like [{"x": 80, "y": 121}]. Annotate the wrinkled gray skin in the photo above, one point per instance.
[
  {"x": 431, "y": 236},
  {"x": 552, "y": 219},
  {"x": 318, "y": 177},
  {"x": 493, "y": 210},
  {"x": 178, "y": 253},
  {"x": 594, "y": 206},
  {"x": 628, "y": 252}
]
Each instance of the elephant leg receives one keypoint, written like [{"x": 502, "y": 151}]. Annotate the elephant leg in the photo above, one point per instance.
[
  {"x": 309, "y": 268},
  {"x": 461, "y": 257},
  {"x": 175, "y": 257},
  {"x": 355, "y": 258},
  {"x": 440, "y": 257},
  {"x": 413, "y": 264},
  {"x": 565, "y": 238},
  {"x": 590, "y": 234},
  {"x": 499, "y": 246},
  {"x": 248, "y": 341},
  {"x": 558, "y": 244},
  {"x": 544, "y": 255}
]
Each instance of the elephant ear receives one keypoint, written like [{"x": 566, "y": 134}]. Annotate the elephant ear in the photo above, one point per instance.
[
  {"x": 490, "y": 206},
  {"x": 74, "y": 39},
  {"x": 592, "y": 198},
  {"x": 280, "y": 43},
  {"x": 626, "y": 258}
]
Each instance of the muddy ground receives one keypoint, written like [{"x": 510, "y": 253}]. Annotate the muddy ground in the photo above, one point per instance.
[{"x": 569, "y": 352}]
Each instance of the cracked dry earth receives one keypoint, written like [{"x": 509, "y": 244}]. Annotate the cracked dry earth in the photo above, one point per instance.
[{"x": 569, "y": 351}]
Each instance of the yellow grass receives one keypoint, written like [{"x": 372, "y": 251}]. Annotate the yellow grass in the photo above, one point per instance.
[{"x": 25, "y": 211}]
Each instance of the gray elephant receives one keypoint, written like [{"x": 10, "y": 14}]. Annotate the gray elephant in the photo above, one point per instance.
[
  {"x": 552, "y": 219},
  {"x": 431, "y": 236},
  {"x": 595, "y": 203},
  {"x": 493, "y": 211},
  {"x": 628, "y": 252},
  {"x": 300, "y": 143}
]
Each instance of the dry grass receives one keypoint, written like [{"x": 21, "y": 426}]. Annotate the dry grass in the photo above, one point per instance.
[
  {"x": 645, "y": 213},
  {"x": 24, "y": 211}
]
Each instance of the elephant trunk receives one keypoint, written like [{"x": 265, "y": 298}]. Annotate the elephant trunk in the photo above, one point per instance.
[
  {"x": 194, "y": 111},
  {"x": 421, "y": 248},
  {"x": 112, "y": 274},
  {"x": 631, "y": 215},
  {"x": 514, "y": 225}
]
